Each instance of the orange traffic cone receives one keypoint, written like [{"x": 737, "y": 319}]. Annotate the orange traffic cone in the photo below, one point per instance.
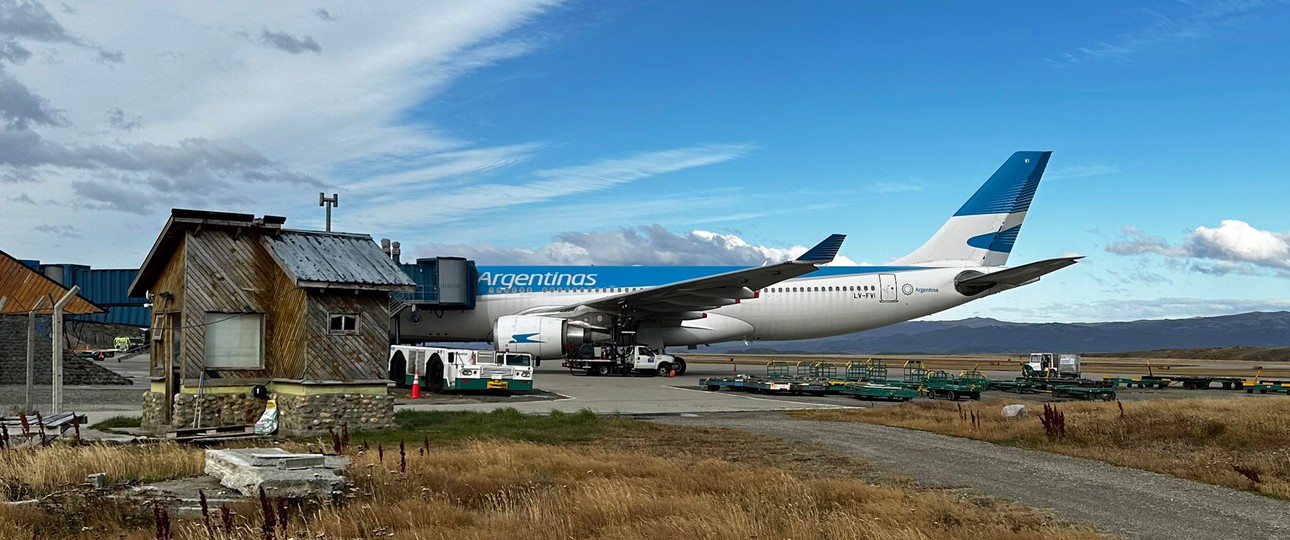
[{"x": 416, "y": 385}]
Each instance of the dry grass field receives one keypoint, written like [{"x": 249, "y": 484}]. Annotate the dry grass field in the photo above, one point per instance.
[
  {"x": 1207, "y": 440},
  {"x": 25, "y": 474},
  {"x": 636, "y": 480}
]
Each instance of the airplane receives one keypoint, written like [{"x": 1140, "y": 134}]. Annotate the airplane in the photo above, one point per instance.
[{"x": 549, "y": 311}]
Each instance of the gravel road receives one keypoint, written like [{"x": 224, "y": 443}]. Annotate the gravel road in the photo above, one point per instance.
[{"x": 1113, "y": 499}]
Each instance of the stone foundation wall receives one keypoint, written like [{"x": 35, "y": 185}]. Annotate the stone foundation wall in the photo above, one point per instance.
[
  {"x": 311, "y": 414},
  {"x": 296, "y": 414},
  {"x": 154, "y": 409},
  {"x": 217, "y": 410}
]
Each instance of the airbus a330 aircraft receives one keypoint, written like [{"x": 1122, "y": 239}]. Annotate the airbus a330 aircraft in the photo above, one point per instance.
[{"x": 551, "y": 310}]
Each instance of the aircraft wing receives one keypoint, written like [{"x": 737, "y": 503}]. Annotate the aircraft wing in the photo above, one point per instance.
[
  {"x": 709, "y": 292},
  {"x": 1018, "y": 276}
]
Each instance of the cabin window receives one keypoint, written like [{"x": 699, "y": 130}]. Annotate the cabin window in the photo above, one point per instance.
[
  {"x": 234, "y": 340},
  {"x": 343, "y": 324}
]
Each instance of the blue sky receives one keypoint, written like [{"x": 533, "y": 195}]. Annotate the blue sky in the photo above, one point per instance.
[{"x": 631, "y": 132}]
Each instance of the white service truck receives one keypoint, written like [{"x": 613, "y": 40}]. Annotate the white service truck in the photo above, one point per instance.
[
  {"x": 623, "y": 360},
  {"x": 442, "y": 369},
  {"x": 1052, "y": 366}
]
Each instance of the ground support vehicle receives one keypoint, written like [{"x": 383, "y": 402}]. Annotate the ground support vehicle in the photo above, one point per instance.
[
  {"x": 913, "y": 375},
  {"x": 1264, "y": 387},
  {"x": 1137, "y": 382},
  {"x": 626, "y": 360},
  {"x": 1016, "y": 387},
  {"x": 865, "y": 390},
  {"x": 814, "y": 387},
  {"x": 818, "y": 377},
  {"x": 1083, "y": 392},
  {"x": 870, "y": 370},
  {"x": 940, "y": 384},
  {"x": 823, "y": 370},
  {"x": 442, "y": 369},
  {"x": 776, "y": 380},
  {"x": 761, "y": 385},
  {"x": 777, "y": 370},
  {"x": 1048, "y": 384},
  {"x": 1202, "y": 382},
  {"x": 1052, "y": 366}
]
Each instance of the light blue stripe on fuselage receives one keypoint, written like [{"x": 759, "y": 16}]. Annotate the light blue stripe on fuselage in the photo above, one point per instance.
[{"x": 510, "y": 279}]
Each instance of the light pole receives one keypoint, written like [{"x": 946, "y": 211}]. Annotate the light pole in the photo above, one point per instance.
[{"x": 329, "y": 202}]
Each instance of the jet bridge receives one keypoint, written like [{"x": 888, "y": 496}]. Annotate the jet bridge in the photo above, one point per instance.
[{"x": 443, "y": 283}]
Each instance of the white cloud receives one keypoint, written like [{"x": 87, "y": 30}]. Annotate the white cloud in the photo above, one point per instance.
[
  {"x": 126, "y": 110},
  {"x": 401, "y": 208},
  {"x": 1081, "y": 171},
  {"x": 288, "y": 43},
  {"x": 202, "y": 109},
  {"x": 1166, "y": 28},
  {"x": 1237, "y": 241},
  {"x": 905, "y": 186},
  {"x": 1233, "y": 247},
  {"x": 643, "y": 245}
]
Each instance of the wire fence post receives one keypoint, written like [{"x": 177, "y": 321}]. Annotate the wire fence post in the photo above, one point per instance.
[
  {"x": 58, "y": 349},
  {"x": 31, "y": 352}
]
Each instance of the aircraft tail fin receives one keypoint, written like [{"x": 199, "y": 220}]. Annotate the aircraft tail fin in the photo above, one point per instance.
[{"x": 983, "y": 231}]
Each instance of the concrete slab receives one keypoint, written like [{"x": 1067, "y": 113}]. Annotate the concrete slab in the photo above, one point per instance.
[
  {"x": 237, "y": 469},
  {"x": 183, "y": 495},
  {"x": 288, "y": 461}
]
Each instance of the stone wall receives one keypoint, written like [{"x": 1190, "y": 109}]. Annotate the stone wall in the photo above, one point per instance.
[
  {"x": 311, "y": 414},
  {"x": 217, "y": 410},
  {"x": 296, "y": 414},
  {"x": 13, "y": 357},
  {"x": 154, "y": 409}
]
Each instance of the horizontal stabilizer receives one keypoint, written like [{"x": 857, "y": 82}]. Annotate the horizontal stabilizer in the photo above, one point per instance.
[
  {"x": 825, "y": 251},
  {"x": 1015, "y": 277}
]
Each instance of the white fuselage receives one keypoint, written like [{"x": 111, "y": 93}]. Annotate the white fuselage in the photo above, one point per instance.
[{"x": 832, "y": 301}]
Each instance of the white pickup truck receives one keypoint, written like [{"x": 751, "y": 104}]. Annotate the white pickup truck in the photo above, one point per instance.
[{"x": 608, "y": 359}]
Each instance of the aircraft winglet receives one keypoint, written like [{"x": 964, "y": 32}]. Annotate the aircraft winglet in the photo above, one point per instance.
[{"x": 824, "y": 252}]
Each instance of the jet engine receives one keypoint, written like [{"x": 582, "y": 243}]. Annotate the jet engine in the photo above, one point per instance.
[{"x": 543, "y": 337}]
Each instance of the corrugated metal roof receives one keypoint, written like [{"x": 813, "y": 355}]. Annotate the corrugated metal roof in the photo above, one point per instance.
[{"x": 317, "y": 258}]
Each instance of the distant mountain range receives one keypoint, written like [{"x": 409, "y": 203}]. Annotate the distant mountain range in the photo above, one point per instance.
[{"x": 981, "y": 336}]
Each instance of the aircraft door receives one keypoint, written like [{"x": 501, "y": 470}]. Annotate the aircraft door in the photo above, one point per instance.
[{"x": 887, "y": 288}]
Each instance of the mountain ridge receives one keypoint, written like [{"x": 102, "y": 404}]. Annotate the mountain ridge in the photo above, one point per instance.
[{"x": 979, "y": 335}]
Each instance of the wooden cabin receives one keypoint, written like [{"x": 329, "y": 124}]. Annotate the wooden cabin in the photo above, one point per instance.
[{"x": 243, "y": 308}]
